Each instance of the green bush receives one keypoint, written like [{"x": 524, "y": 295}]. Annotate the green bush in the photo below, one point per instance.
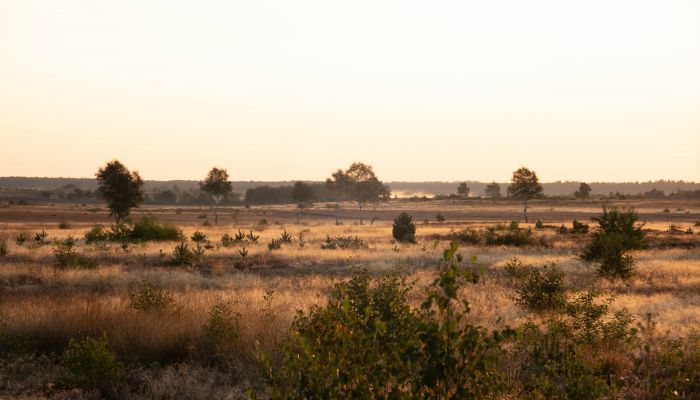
[
  {"x": 620, "y": 224},
  {"x": 612, "y": 261},
  {"x": 275, "y": 244},
  {"x": 369, "y": 342},
  {"x": 439, "y": 217},
  {"x": 149, "y": 298},
  {"x": 149, "y": 229},
  {"x": 64, "y": 225},
  {"x": 403, "y": 229},
  {"x": 90, "y": 364},
  {"x": 41, "y": 238},
  {"x": 184, "y": 255},
  {"x": 21, "y": 238},
  {"x": 96, "y": 234},
  {"x": 198, "y": 237},
  {"x": 541, "y": 290},
  {"x": 579, "y": 227},
  {"x": 222, "y": 330},
  {"x": 512, "y": 235}
]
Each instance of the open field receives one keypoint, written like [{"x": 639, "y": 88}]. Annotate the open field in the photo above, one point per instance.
[{"x": 168, "y": 353}]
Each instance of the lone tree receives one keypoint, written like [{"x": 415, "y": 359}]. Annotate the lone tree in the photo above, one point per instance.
[
  {"x": 493, "y": 190},
  {"x": 360, "y": 184},
  {"x": 583, "y": 191},
  {"x": 120, "y": 187},
  {"x": 463, "y": 190},
  {"x": 216, "y": 184},
  {"x": 524, "y": 186},
  {"x": 302, "y": 193}
]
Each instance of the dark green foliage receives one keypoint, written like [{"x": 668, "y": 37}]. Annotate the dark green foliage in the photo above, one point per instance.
[
  {"x": 149, "y": 229},
  {"x": 90, "y": 364},
  {"x": 403, "y": 229},
  {"x": 439, "y": 217},
  {"x": 184, "y": 255},
  {"x": 96, "y": 234},
  {"x": 227, "y": 240},
  {"x": 512, "y": 235},
  {"x": 302, "y": 193},
  {"x": 579, "y": 227},
  {"x": 617, "y": 233},
  {"x": 198, "y": 237},
  {"x": 222, "y": 330},
  {"x": 149, "y": 298},
  {"x": 120, "y": 188},
  {"x": 540, "y": 290},
  {"x": 216, "y": 184},
  {"x": 368, "y": 342},
  {"x": 343, "y": 242},
  {"x": 524, "y": 186},
  {"x": 20, "y": 239},
  {"x": 64, "y": 225},
  {"x": 285, "y": 237},
  {"x": 41, "y": 238},
  {"x": 275, "y": 244},
  {"x": 583, "y": 191},
  {"x": 617, "y": 223},
  {"x": 66, "y": 256}
]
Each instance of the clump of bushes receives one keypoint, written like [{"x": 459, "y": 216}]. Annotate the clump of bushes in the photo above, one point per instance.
[
  {"x": 148, "y": 298},
  {"x": 617, "y": 233},
  {"x": 146, "y": 229},
  {"x": 497, "y": 235},
  {"x": 90, "y": 364},
  {"x": 343, "y": 242},
  {"x": 198, "y": 237},
  {"x": 403, "y": 229},
  {"x": 369, "y": 342},
  {"x": 579, "y": 227}
]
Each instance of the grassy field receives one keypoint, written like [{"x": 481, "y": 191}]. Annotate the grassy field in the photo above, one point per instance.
[{"x": 168, "y": 352}]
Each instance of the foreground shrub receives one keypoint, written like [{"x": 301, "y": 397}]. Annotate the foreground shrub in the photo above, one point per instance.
[
  {"x": 612, "y": 261},
  {"x": 90, "y": 364},
  {"x": 512, "y": 235},
  {"x": 343, "y": 242},
  {"x": 617, "y": 223},
  {"x": 540, "y": 290},
  {"x": 223, "y": 330},
  {"x": 369, "y": 342},
  {"x": 148, "y": 298},
  {"x": 149, "y": 229},
  {"x": 403, "y": 229},
  {"x": 96, "y": 234}
]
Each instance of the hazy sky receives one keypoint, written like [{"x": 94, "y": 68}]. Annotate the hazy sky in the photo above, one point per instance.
[{"x": 434, "y": 90}]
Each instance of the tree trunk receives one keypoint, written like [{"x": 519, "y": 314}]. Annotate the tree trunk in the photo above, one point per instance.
[
  {"x": 360, "y": 205},
  {"x": 525, "y": 209}
]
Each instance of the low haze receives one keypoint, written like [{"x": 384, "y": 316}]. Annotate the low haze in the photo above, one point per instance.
[{"x": 274, "y": 90}]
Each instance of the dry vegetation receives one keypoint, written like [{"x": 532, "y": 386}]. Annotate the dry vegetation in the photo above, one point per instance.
[{"x": 167, "y": 350}]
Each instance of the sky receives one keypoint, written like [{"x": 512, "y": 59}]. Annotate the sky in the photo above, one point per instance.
[{"x": 422, "y": 90}]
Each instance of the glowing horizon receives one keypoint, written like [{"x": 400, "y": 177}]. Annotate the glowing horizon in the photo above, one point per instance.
[{"x": 275, "y": 90}]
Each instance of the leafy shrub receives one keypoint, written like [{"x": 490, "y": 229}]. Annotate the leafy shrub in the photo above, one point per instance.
[
  {"x": 541, "y": 290},
  {"x": 222, "y": 330},
  {"x": 20, "y": 239},
  {"x": 612, "y": 261},
  {"x": 343, "y": 242},
  {"x": 184, "y": 255},
  {"x": 67, "y": 256},
  {"x": 149, "y": 229},
  {"x": 403, "y": 229},
  {"x": 96, "y": 234},
  {"x": 368, "y": 342},
  {"x": 198, "y": 237},
  {"x": 89, "y": 363},
  {"x": 439, "y": 217},
  {"x": 64, "y": 225},
  {"x": 149, "y": 298},
  {"x": 227, "y": 240}
]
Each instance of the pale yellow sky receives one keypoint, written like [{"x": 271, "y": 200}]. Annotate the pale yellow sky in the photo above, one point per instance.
[{"x": 447, "y": 90}]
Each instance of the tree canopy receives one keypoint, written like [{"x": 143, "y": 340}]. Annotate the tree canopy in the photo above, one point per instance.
[{"x": 120, "y": 188}]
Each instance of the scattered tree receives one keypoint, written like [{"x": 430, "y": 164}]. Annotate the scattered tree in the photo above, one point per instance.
[
  {"x": 302, "y": 193},
  {"x": 583, "y": 191},
  {"x": 463, "y": 190},
  {"x": 359, "y": 183},
  {"x": 120, "y": 188},
  {"x": 524, "y": 186},
  {"x": 217, "y": 185},
  {"x": 493, "y": 190}
]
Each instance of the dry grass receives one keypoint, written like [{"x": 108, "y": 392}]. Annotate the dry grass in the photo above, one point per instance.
[{"x": 45, "y": 308}]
